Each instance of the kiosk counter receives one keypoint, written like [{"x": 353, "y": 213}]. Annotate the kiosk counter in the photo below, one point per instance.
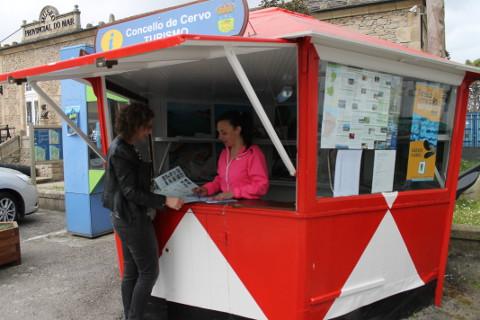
[{"x": 363, "y": 142}]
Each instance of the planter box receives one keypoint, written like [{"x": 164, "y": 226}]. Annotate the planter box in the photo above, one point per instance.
[{"x": 9, "y": 243}]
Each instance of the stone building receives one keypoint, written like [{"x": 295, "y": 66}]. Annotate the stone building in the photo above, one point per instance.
[
  {"x": 400, "y": 21},
  {"x": 19, "y": 104}
]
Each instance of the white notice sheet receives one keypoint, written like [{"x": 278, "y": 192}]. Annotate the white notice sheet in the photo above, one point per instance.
[
  {"x": 383, "y": 170},
  {"x": 347, "y": 173}
]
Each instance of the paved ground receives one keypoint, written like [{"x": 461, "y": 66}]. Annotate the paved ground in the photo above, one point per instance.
[
  {"x": 61, "y": 276},
  {"x": 67, "y": 277},
  {"x": 462, "y": 286}
]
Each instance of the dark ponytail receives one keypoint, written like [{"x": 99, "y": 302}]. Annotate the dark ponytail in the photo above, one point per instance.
[{"x": 243, "y": 120}]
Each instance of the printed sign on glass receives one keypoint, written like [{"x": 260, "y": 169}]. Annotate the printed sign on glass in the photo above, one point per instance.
[
  {"x": 424, "y": 131},
  {"x": 357, "y": 108}
]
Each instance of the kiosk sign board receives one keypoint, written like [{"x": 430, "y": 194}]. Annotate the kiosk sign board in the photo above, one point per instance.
[{"x": 214, "y": 17}]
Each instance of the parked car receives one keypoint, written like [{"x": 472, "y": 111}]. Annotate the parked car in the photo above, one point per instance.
[{"x": 18, "y": 196}]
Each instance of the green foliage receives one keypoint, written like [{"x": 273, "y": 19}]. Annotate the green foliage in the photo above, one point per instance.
[
  {"x": 300, "y": 6},
  {"x": 467, "y": 212},
  {"x": 474, "y": 100},
  {"x": 475, "y": 63},
  {"x": 467, "y": 164}
]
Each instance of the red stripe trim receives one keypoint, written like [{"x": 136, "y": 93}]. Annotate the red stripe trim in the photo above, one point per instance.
[{"x": 325, "y": 297}]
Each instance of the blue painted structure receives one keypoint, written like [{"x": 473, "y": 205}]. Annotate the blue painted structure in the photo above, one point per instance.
[
  {"x": 471, "y": 139},
  {"x": 85, "y": 214}
]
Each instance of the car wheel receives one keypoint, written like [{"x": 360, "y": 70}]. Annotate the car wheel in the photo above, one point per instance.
[{"x": 9, "y": 207}]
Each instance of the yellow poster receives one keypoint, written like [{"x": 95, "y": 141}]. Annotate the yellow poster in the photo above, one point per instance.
[{"x": 427, "y": 110}]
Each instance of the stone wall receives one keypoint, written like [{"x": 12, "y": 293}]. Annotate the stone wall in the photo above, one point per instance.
[
  {"x": 21, "y": 56},
  {"x": 389, "y": 20},
  {"x": 317, "y": 5}
]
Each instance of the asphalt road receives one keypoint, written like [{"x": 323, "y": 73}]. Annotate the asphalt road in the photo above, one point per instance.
[
  {"x": 61, "y": 276},
  {"x": 68, "y": 277}
]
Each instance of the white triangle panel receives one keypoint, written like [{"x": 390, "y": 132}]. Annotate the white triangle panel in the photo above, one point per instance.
[
  {"x": 390, "y": 198},
  {"x": 195, "y": 272},
  {"x": 384, "y": 269}
]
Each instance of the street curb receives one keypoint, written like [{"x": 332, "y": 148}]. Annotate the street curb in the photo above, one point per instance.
[
  {"x": 51, "y": 200},
  {"x": 465, "y": 232}
]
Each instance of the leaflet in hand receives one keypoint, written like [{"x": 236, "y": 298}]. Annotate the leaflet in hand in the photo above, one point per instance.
[{"x": 174, "y": 183}]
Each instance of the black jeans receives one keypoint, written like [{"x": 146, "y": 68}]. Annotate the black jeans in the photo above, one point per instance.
[{"x": 140, "y": 263}]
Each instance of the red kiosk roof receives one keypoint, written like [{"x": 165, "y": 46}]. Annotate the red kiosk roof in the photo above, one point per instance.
[{"x": 266, "y": 27}]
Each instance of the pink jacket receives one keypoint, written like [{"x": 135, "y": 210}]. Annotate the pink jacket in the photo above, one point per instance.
[{"x": 246, "y": 175}]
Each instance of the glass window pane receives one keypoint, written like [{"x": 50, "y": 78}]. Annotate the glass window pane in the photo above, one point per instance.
[
  {"x": 180, "y": 114},
  {"x": 380, "y": 132}
]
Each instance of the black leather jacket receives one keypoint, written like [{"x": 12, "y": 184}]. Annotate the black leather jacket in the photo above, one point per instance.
[{"x": 127, "y": 182}]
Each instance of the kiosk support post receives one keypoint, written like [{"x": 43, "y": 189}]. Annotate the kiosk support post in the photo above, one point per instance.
[
  {"x": 64, "y": 117},
  {"x": 247, "y": 86},
  {"x": 452, "y": 181}
]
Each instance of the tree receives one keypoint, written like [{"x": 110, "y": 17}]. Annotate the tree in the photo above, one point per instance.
[
  {"x": 474, "y": 97},
  {"x": 475, "y": 63},
  {"x": 300, "y": 6}
]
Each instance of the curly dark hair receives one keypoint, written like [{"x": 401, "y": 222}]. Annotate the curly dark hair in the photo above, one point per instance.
[{"x": 131, "y": 118}]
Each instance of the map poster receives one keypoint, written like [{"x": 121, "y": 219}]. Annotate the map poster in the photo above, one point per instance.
[
  {"x": 356, "y": 108},
  {"x": 427, "y": 107},
  {"x": 48, "y": 144}
]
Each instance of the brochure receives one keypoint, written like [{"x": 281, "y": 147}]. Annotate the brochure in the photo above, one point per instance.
[{"x": 174, "y": 183}]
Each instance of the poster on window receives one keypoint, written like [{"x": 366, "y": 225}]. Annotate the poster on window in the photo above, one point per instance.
[
  {"x": 427, "y": 108},
  {"x": 356, "y": 108},
  {"x": 48, "y": 144},
  {"x": 73, "y": 113}
]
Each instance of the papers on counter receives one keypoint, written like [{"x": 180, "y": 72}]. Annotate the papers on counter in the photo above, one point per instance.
[{"x": 174, "y": 183}]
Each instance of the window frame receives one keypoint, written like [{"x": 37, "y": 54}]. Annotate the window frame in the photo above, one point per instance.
[{"x": 308, "y": 201}]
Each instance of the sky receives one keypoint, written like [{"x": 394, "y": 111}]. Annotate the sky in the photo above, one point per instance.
[{"x": 462, "y": 25}]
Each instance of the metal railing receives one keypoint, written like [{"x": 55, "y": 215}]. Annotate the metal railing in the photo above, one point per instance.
[
  {"x": 471, "y": 139},
  {"x": 6, "y": 133}
]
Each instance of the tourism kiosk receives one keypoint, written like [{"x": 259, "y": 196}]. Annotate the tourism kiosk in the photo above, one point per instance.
[{"x": 363, "y": 141}]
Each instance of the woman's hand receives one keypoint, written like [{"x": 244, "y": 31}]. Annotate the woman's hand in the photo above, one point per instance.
[
  {"x": 174, "y": 203},
  {"x": 223, "y": 196},
  {"x": 200, "y": 191}
]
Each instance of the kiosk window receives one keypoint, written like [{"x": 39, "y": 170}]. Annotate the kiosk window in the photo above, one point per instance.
[
  {"x": 380, "y": 132},
  {"x": 198, "y": 93}
]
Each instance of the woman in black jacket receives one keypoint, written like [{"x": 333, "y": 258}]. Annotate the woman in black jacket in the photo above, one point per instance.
[{"x": 127, "y": 193}]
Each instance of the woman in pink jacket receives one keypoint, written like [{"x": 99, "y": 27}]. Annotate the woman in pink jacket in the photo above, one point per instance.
[{"x": 242, "y": 169}]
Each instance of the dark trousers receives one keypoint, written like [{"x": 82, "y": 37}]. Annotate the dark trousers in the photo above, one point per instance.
[{"x": 140, "y": 263}]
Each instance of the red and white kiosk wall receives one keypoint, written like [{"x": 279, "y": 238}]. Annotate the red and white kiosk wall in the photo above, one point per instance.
[{"x": 315, "y": 255}]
